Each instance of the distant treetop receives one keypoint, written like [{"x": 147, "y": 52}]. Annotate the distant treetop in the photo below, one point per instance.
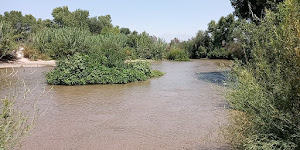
[{"x": 248, "y": 8}]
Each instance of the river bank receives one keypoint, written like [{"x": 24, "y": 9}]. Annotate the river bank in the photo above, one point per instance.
[
  {"x": 26, "y": 63},
  {"x": 21, "y": 61}
]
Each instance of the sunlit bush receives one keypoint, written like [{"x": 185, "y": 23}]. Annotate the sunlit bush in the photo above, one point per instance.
[
  {"x": 84, "y": 69},
  {"x": 177, "y": 54},
  {"x": 266, "y": 87},
  {"x": 149, "y": 47},
  {"x": 61, "y": 42},
  {"x": 7, "y": 43}
]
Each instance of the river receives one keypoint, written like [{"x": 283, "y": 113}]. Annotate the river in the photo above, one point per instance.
[{"x": 180, "y": 110}]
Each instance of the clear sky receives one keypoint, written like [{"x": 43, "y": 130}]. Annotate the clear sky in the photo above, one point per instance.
[{"x": 163, "y": 18}]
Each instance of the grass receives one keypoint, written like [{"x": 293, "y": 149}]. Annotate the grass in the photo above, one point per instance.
[{"x": 14, "y": 124}]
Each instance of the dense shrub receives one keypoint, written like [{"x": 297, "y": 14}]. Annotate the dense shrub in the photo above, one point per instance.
[
  {"x": 177, "y": 54},
  {"x": 149, "y": 47},
  {"x": 7, "y": 43},
  {"x": 83, "y": 69},
  {"x": 266, "y": 87},
  {"x": 219, "y": 53},
  {"x": 33, "y": 54},
  {"x": 61, "y": 42},
  {"x": 220, "y": 40},
  {"x": 13, "y": 125},
  {"x": 110, "y": 47}
]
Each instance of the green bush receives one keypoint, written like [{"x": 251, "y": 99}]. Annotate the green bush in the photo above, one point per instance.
[
  {"x": 149, "y": 47},
  {"x": 33, "y": 54},
  {"x": 266, "y": 87},
  {"x": 219, "y": 53},
  {"x": 61, "y": 42},
  {"x": 13, "y": 125},
  {"x": 82, "y": 69},
  {"x": 7, "y": 43},
  {"x": 110, "y": 47},
  {"x": 159, "y": 49},
  {"x": 177, "y": 54}
]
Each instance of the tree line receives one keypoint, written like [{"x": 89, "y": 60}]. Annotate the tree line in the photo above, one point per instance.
[
  {"x": 17, "y": 29},
  {"x": 224, "y": 39}
]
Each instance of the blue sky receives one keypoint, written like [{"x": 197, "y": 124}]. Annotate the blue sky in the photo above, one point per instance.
[{"x": 163, "y": 18}]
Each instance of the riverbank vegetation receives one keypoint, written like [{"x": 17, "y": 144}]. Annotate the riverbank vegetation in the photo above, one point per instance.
[
  {"x": 7, "y": 43},
  {"x": 83, "y": 69},
  {"x": 87, "y": 50},
  {"x": 14, "y": 124},
  {"x": 69, "y": 33},
  {"x": 219, "y": 41},
  {"x": 265, "y": 90}
]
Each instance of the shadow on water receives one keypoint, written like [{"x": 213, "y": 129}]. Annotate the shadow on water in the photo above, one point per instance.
[{"x": 219, "y": 78}]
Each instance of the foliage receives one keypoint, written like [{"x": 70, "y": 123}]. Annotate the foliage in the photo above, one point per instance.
[
  {"x": 110, "y": 30},
  {"x": 83, "y": 69},
  {"x": 110, "y": 47},
  {"x": 220, "y": 53},
  {"x": 7, "y": 43},
  {"x": 68, "y": 33},
  {"x": 33, "y": 54},
  {"x": 149, "y": 47},
  {"x": 220, "y": 40},
  {"x": 177, "y": 54},
  {"x": 242, "y": 8},
  {"x": 94, "y": 25},
  {"x": 64, "y": 18},
  {"x": 159, "y": 49},
  {"x": 13, "y": 125},
  {"x": 61, "y": 42},
  {"x": 221, "y": 32},
  {"x": 266, "y": 87},
  {"x": 21, "y": 25},
  {"x": 106, "y": 21},
  {"x": 125, "y": 31}
]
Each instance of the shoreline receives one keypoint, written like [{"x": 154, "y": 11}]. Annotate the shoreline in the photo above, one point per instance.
[
  {"x": 21, "y": 61},
  {"x": 26, "y": 63}
]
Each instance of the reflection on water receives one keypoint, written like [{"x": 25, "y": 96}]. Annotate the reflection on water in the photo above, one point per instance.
[{"x": 175, "y": 111}]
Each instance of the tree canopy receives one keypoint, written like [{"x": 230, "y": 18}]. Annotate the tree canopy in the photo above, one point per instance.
[{"x": 247, "y": 8}]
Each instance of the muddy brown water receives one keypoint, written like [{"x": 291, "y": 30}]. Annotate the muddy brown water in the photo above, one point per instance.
[{"x": 177, "y": 111}]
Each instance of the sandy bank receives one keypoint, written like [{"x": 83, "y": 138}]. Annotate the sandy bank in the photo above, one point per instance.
[
  {"x": 27, "y": 63},
  {"x": 24, "y": 62}
]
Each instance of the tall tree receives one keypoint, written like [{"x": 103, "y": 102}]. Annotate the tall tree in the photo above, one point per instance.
[
  {"x": 221, "y": 32},
  {"x": 106, "y": 22},
  {"x": 59, "y": 14},
  {"x": 64, "y": 18},
  {"x": 95, "y": 25},
  {"x": 15, "y": 18},
  {"x": 248, "y": 8},
  {"x": 125, "y": 31}
]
